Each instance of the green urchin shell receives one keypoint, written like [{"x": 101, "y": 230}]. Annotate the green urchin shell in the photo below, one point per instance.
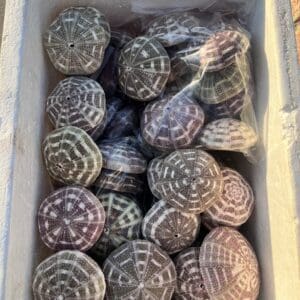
[{"x": 71, "y": 156}]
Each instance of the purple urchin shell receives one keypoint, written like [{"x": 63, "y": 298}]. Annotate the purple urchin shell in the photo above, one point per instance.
[
  {"x": 190, "y": 180},
  {"x": 236, "y": 203},
  {"x": 77, "y": 101},
  {"x": 169, "y": 228},
  {"x": 228, "y": 135},
  {"x": 68, "y": 275},
  {"x": 222, "y": 48},
  {"x": 171, "y": 123},
  {"x": 189, "y": 278},
  {"x": 229, "y": 266},
  {"x": 139, "y": 270},
  {"x": 71, "y": 218}
]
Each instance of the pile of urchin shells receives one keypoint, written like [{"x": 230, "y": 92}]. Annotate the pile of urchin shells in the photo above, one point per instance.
[{"x": 140, "y": 123}]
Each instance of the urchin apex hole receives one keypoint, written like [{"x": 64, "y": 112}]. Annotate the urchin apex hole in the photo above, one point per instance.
[
  {"x": 176, "y": 235},
  {"x": 68, "y": 98},
  {"x": 71, "y": 45},
  {"x": 194, "y": 178},
  {"x": 59, "y": 166}
]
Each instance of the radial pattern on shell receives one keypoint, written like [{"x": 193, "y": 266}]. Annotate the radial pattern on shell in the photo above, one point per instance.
[
  {"x": 231, "y": 108},
  {"x": 217, "y": 87},
  {"x": 71, "y": 218},
  {"x": 189, "y": 278},
  {"x": 77, "y": 101},
  {"x": 144, "y": 68},
  {"x": 68, "y": 275},
  {"x": 153, "y": 175},
  {"x": 222, "y": 48},
  {"x": 173, "y": 29},
  {"x": 172, "y": 123},
  {"x": 236, "y": 203},
  {"x": 229, "y": 266},
  {"x": 71, "y": 156},
  {"x": 228, "y": 134},
  {"x": 170, "y": 228},
  {"x": 76, "y": 40},
  {"x": 123, "y": 223},
  {"x": 119, "y": 182},
  {"x": 190, "y": 180},
  {"x": 139, "y": 270}
]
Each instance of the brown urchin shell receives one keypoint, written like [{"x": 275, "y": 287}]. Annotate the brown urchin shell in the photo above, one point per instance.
[
  {"x": 169, "y": 228},
  {"x": 229, "y": 266},
  {"x": 229, "y": 135},
  {"x": 139, "y": 270},
  {"x": 71, "y": 156},
  {"x": 236, "y": 203},
  {"x": 172, "y": 123},
  {"x": 189, "y": 278},
  {"x": 77, "y": 101},
  {"x": 68, "y": 275},
  {"x": 71, "y": 218},
  {"x": 76, "y": 40},
  {"x": 190, "y": 180}
]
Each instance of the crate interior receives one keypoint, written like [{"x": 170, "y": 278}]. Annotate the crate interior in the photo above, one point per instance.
[{"x": 31, "y": 184}]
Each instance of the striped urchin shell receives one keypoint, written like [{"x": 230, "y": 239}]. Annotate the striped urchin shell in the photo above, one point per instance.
[
  {"x": 189, "y": 278},
  {"x": 172, "y": 123},
  {"x": 173, "y": 29},
  {"x": 228, "y": 109},
  {"x": 190, "y": 180},
  {"x": 71, "y": 218},
  {"x": 153, "y": 175},
  {"x": 222, "y": 48},
  {"x": 236, "y": 203},
  {"x": 169, "y": 228},
  {"x": 147, "y": 150},
  {"x": 123, "y": 223},
  {"x": 119, "y": 182},
  {"x": 122, "y": 157},
  {"x": 217, "y": 87},
  {"x": 228, "y": 134},
  {"x": 68, "y": 275},
  {"x": 139, "y": 270},
  {"x": 77, "y": 101},
  {"x": 144, "y": 68},
  {"x": 229, "y": 266},
  {"x": 76, "y": 40},
  {"x": 96, "y": 132},
  {"x": 71, "y": 156}
]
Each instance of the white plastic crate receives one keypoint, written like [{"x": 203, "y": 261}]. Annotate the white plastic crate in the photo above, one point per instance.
[{"x": 26, "y": 79}]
